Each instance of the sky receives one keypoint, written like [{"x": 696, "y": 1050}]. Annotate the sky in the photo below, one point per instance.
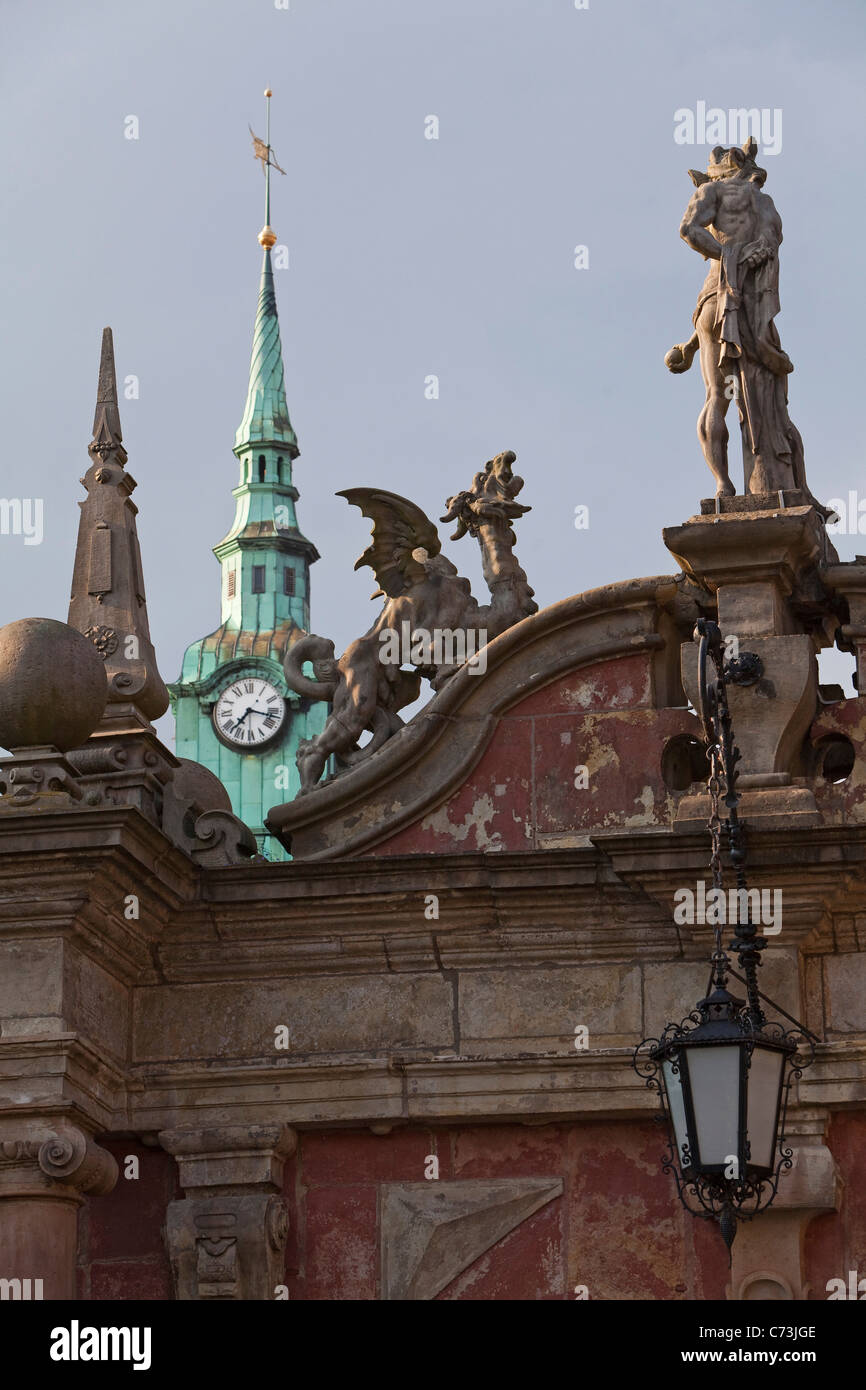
[{"x": 409, "y": 257}]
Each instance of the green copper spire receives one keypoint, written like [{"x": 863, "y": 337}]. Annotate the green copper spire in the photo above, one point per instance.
[
  {"x": 266, "y": 414},
  {"x": 265, "y": 564}
]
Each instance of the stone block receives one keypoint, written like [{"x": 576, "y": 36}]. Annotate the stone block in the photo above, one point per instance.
[
  {"x": 327, "y": 1014},
  {"x": 846, "y": 993},
  {"x": 536, "y": 1010}
]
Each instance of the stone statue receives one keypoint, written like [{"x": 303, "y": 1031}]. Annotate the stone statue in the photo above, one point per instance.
[
  {"x": 429, "y": 622},
  {"x": 733, "y": 223}
]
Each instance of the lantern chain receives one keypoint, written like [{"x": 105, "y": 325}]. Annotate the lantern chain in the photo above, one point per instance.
[{"x": 723, "y": 756}]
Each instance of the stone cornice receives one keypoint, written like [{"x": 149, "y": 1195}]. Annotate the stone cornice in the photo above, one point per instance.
[
  {"x": 25, "y": 839},
  {"x": 411, "y": 1088},
  {"x": 505, "y": 909},
  {"x": 72, "y": 873},
  {"x": 820, "y": 870},
  {"x": 609, "y": 899},
  {"x": 395, "y": 1089},
  {"x": 63, "y": 1076},
  {"x": 778, "y": 545}
]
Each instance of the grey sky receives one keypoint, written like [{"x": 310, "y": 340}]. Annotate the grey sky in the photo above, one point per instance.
[{"x": 408, "y": 257}]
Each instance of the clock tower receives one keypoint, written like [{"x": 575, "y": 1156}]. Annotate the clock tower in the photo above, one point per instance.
[{"x": 233, "y": 711}]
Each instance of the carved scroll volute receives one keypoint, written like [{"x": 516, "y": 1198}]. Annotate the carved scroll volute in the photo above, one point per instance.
[
  {"x": 70, "y": 1157},
  {"x": 66, "y": 1162}
]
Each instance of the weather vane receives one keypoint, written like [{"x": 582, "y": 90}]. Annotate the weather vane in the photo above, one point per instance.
[{"x": 262, "y": 151}]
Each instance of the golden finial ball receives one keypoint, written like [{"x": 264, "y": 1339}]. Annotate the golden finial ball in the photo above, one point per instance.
[
  {"x": 267, "y": 237},
  {"x": 268, "y": 92}
]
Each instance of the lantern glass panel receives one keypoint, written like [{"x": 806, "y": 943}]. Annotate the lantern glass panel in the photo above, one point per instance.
[
  {"x": 764, "y": 1080},
  {"x": 674, "y": 1089},
  {"x": 714, "y": 1082}
]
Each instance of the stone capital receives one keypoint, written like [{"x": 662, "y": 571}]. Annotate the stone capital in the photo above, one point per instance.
[
  {"x": 65, "y": 1164},
  {"x": 229, "y": 1156}
]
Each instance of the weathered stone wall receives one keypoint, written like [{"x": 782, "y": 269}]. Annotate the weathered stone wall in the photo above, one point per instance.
[{"x": 455, "y": 913}]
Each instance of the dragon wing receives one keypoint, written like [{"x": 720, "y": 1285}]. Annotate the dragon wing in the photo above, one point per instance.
[{"x": 399, "y": 527}]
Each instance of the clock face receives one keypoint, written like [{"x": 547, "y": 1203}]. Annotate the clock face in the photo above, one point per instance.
[{"x": 249, "y": 713}]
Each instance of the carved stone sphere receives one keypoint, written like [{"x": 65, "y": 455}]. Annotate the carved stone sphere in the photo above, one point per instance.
[{"x": 53, "y": 686}]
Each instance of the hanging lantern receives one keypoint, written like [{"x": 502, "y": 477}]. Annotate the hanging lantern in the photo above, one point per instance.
[{"x": 725, "y": 1073}]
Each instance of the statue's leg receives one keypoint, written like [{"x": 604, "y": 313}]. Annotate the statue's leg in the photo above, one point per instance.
[
  {"x": 310, "y": 762},
  {"x": 712, "y": 429}
]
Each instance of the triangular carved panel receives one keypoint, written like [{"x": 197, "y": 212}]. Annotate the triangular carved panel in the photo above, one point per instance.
[{"x": 432, "y": 1231}]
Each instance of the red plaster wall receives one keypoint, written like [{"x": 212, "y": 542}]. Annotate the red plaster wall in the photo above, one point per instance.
[
  {"x": 843, "y": 802},
  {"x": 836, "y": 1243},
  {"x": 121, "y": 1250},
  {"x": 618, "y": 1228},
  {"x": 522, "y": 789}
]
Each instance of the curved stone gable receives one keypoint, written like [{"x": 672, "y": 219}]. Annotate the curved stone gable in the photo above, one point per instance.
[{"x": 489, "y": 762}]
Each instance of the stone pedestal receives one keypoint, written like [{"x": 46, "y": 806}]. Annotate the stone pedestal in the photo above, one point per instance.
[
  {"x": 124, "y": 763},
  {"x": 762, "y": 567}
]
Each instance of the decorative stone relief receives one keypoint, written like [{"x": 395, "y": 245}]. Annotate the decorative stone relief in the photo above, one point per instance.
[
  {"x": 431, "y": 1232},
  {"x": 103, "y": 638},
  {"x": 227, "y": 1247}
]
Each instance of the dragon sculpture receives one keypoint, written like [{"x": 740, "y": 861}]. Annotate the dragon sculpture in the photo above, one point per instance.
[{"x": 424, "y": 594}]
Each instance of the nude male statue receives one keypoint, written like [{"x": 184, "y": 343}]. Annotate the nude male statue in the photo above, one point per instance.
[{"x": 733, "y": 223}]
